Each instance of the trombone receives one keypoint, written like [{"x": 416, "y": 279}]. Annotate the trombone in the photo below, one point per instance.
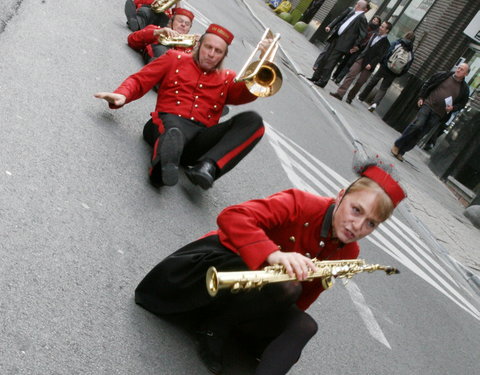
[
  {"x": 160, "y": 6},
  {"x": 262, "y": 77}
]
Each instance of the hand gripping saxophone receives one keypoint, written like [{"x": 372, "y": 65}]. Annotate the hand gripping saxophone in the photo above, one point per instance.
[{"x": 326, "y": 270}]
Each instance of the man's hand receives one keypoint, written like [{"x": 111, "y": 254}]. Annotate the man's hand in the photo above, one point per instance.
[
  {"x": 165, "y": 32},
  {"x": 295, "y": 264},
  {"x": 264, "y": 45},
  {"x": 112, "y": 98},
  {"x": 354, "y": 49},
  {"x": 420, "y": 102}
]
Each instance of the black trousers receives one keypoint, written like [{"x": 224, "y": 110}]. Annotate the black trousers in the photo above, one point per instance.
[
  {"x": 267, "y": 320},
  {"x": 225, "y": 143},
  {"x": 326, "y": 62}
]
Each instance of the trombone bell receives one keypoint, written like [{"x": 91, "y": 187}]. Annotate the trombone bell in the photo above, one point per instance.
[
  {"x": 266, "y": 82},
  {"x": 262, "y": 77}
]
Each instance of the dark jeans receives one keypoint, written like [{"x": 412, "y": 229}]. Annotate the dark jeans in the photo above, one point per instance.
[
  {"x": 425, "y": 120},
  {"x": 387, "y": 78}
]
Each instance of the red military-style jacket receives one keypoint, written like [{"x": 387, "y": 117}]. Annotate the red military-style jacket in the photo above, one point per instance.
[
  {"x": 139, "y": 3},
  {"x": 292, "y": 221},
  {"x": 142, "y": 40},
  {"x": 184, "y": 89}
]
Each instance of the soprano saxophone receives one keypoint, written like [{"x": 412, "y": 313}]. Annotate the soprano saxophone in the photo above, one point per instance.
[{"x": 326, "y": 270}]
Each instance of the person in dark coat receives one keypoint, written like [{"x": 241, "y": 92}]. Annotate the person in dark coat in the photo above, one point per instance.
[
  {"x": 344, "y": 66},
  {"x": 385, "y": 74},
  {"x": 346, "y": 31},
  {"x": 441, "y": 94},
  {"x": 363, "y": 67},
  {"x": 288, "y": 228}
]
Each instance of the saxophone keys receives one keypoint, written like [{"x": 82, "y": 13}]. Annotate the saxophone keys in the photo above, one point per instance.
[
  {"x": 292, "y": 239},
  {"x": 321, "y": 244}
]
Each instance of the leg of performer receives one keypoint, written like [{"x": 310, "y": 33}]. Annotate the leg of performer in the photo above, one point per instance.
[
  {"x": 270, "y": 302},
  {"x": 216, "y": 150},
  {"x": 285, "y": 349},
  {"x": 167, "y": 134},
  {"x": 131, "y": 13}
]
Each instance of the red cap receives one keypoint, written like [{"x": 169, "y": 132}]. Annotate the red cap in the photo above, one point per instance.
[
  {"x": 183, "y": 12},
  {"x": 387, "y": 183},
  {"x": 222, "y": 32}
]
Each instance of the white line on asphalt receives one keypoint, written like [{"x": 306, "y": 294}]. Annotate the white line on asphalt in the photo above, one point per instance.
[
  {"x": 365, "y": 312},
  {"x": 395, "y": 238}
]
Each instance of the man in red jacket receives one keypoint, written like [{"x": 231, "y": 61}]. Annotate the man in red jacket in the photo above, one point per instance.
[
  {"x": 288, "y": 228},
  {"x": 146, "y": 41},
  {"x": 184, "y": 128}
]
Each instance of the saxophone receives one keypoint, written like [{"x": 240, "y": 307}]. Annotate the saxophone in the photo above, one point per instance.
[
  {"x": 326, "y": 270},
  {"x": 183, "y": 40}
]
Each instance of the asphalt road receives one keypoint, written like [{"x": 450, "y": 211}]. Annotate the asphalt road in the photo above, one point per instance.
[{"x": 81, "y": 225}]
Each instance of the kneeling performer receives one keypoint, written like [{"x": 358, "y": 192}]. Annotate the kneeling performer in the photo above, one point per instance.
[{"x": 287, "y": 228}]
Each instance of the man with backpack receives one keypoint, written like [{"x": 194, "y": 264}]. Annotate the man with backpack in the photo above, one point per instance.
[{"x": 395, "y": 63}]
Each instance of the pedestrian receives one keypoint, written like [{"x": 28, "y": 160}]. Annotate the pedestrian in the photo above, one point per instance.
[
  {"x": 395, "y": 63},
  {"x": 346, "y": 31},
  {"x": 441, "y": 94},
  {"x": 140, "y": 14},
  {"x": 344, "y": 66},
  {"x": 147, "y": 40},
  {"x": 192, "y": 92},
  {"x": 287, "y": 228},
  {"x": 365, "y": 63}
]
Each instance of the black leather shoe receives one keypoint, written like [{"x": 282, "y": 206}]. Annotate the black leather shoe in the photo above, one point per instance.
[
  {"x": 167, "y": 159},
  {"x": 348, "y": 101},
  {"x": 320, "y": 84},
  {"x": 336, "y": 95},
  {"x": 202, "y": 174},
  {"x": 311, "y": 79},
  {"x": 210, "y": 350}
]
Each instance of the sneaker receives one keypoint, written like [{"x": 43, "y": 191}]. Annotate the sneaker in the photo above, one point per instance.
[{"x": 372, "y": 107}]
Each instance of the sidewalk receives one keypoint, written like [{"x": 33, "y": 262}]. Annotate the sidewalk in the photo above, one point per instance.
[{"x": 431, "y": 207}]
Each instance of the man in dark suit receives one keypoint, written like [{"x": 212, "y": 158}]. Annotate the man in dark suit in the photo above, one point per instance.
[
  {"x": 347, "y": 31},
  {"x": 363, "y": 67}
]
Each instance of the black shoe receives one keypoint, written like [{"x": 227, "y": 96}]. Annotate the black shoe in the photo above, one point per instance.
[
  {"x": 202, "y": 174},
  {"x": 348, "y": 101},
  {"x": 210, "y": 350},
  {"x": 336, "y": 95},
  {"x": 321, "y": 84},
  {"x": 167, "y": 158},
  {"x": 311, "y": 79}
]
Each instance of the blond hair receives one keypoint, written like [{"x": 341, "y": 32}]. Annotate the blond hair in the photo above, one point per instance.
[{"x": 385, "y": 205}]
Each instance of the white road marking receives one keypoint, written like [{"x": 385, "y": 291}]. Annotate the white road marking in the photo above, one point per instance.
[
  {"x": 394, "y": 237},
  {"x": 365, "y": 312}
]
